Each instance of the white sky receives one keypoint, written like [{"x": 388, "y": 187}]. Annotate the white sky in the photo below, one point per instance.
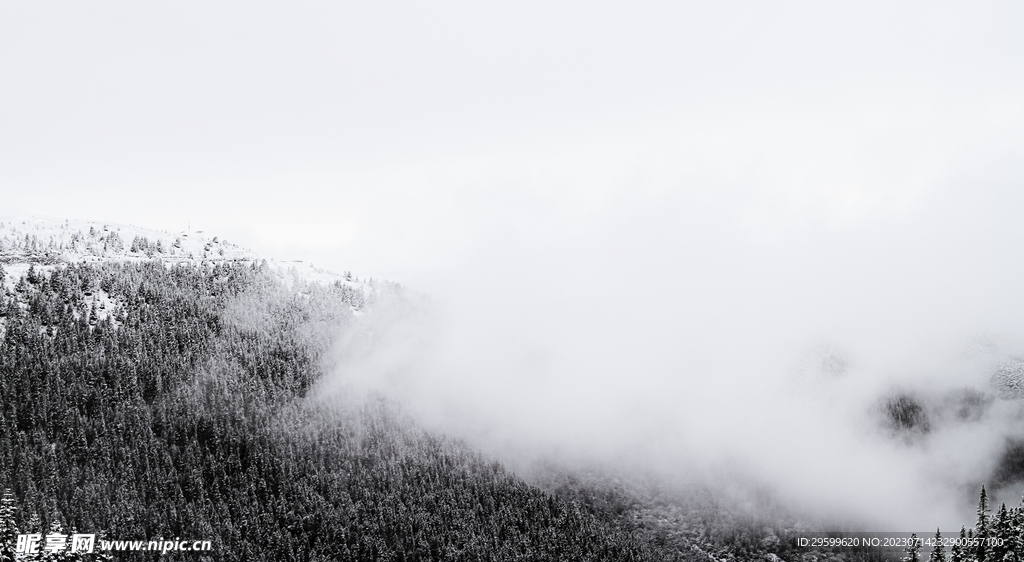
[
  {"x": 664, "y": 187},
  {"x": 398, "y": 139}
]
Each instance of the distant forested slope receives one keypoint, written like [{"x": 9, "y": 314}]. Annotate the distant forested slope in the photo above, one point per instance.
[
  {"x": 177, "y": 410},
  {"x": 141, "y": 401}
]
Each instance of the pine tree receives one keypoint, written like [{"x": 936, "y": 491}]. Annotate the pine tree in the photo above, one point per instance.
[
  {"x": 939, "y": 552},
  {"x": 1002, "y": 532},
  {"x": 34, "y": 525},
  {"x": 981, "y": 528},
  {"x": 913, "y": 550},
  {"x": 63, "y": 555}
]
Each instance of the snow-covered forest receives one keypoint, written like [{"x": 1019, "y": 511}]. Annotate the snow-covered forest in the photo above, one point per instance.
[{"x": 150, "y": 397}]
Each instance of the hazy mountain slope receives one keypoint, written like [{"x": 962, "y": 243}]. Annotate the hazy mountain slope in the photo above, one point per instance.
[
  {"x": 181, "y": 416},
  {"x": 147, "y": 393}
]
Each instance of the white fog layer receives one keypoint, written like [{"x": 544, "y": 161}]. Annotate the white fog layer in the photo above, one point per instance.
[{"x": 755, "y": 318}]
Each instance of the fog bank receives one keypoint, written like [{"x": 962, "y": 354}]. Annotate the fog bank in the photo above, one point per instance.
[{"x": 744, "y": 315}]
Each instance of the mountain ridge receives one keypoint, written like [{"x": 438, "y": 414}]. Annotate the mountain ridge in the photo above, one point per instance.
[{"x": 47, "y": 241}]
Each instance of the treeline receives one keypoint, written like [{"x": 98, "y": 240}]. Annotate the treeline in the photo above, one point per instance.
[
  {"x": 998, "y": 538},
  {"x": 183, "y": 413},
  {"x": 98, "y": 242}
]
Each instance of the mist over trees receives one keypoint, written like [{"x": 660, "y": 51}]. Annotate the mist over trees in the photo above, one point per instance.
[
  {"x": 181, "y": 414},
  {"x": 141, "y": 401}
]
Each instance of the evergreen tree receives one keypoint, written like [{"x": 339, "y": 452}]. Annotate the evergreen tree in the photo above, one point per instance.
[
  {"x": 913, "y": 549},
  {"x": 938, "y": 552},
  {"x": 1002, "y": 532},
  {"x": 981, "y": 528},
  {"x": 62, "y": 555}
]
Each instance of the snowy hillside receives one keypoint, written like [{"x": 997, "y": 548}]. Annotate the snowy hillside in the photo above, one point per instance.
[{"x": 48, "y": 242}]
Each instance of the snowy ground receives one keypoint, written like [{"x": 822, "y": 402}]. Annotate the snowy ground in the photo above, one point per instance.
[{"x": 48, "y": 242}]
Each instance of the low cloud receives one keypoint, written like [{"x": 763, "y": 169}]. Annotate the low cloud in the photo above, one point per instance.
[{"x": 746, "y": 314}]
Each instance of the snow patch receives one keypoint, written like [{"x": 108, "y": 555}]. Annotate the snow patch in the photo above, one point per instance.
[{"x": 100, "y": 306}]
